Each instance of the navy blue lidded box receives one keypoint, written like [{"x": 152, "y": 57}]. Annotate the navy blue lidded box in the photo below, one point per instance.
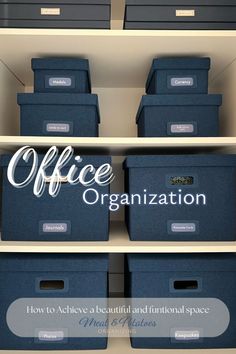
[
  {"x": 199, "y": 279},
  {"x": 180, "y": 15},
  {"x": 63, "y": 75},
  {"x": 179, "y": 195},
  {"x": 178, "y": 76},
  {"x": 66, "y": 217},
  {"x": 179, "y": 115},
  {"x": 57, "y": 114},
  {"x": 42, "y": 278},
  {"x": 55, "y": 14}
]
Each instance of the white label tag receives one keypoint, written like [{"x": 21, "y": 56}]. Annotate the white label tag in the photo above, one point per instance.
[
  {"x": 187, "y": 335},
  {"x": 182, "y": 81},
  {"x": 183, "y": 227},
  {"x": 185, "y": 13},
  {"x": 45, "y": 11},
  {"x": 58, "y": 128},
  {"x": 182, "y": 128},
  {"x": 60, "y": 81},
  {"x": 51, "y": 336},
  {"x": 55, "y": 227}
]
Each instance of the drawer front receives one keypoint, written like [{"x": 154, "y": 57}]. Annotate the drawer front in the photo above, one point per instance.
[
  {"x": 54, "y": 12},
  {"x": 182, "y": 13}
]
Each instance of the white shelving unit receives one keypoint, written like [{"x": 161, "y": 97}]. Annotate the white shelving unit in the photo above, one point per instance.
[
  {"x": 119, "y": 146},
  {"x": 118, "y": 58},
  {"x": 119, "y": 243},
  {"x": 118, "y": 345},
  {"x": 120, "y": 61}
]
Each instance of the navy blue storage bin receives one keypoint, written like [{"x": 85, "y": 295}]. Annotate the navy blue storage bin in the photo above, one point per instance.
[
  {"x": 58, "y": 114},
  {"x": 178, "y": 76},
  {"x": 62, "y": 75},
  {"x": 180, "y": 14},
  {"x": 179, "y": 115},
  {"x": 50, "y": 276},
  {"x": 65, "y": 217},
  {"x": 55, "y": 13},
  {"x": 189, "y": 191},
  {"x": 185, "y": 276}
]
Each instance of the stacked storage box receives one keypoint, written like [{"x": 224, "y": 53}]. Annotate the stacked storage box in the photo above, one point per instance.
[
  {"x": 62, "y": 104},
  {"x": 34, "y": 287},
  {"x": 65, "y": 217},
  {"x": 179, "y": 195},
  {"x": 178, "y": 104},
  {"x": 33, "y": 283},
  {"x": 195, "y": 297},
  {"x": 180, "y": 15},
  {"x": 55, "y": 14},
  {"x": 181, "y": 198}
]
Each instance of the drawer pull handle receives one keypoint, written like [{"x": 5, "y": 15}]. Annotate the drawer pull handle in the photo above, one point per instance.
[
  {"x": 51, "y": 285},
  {"x": 185, "y": 284}
]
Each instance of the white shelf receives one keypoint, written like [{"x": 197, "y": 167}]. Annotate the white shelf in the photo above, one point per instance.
[
  {"x": 118, "y": 58},
  {"x": 117, "y": 145},
  {"x": 120, "y": 345},
  {"x": 118, "y": 243}
]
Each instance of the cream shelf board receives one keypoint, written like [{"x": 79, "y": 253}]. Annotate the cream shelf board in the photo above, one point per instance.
[
  {"x": 118, "y": 58},
  {"x": 116, "y": 145},
  {"x": 120, "y": 345},
  {"x": 119, "y": 243}
]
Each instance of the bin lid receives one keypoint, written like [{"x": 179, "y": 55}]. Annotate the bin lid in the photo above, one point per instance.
[
  {"x": 205, "y": 262},
  {"x": 181, "y": 3},
  {"x": 32, "y": 262},
  {"x": 178, "y": 100},
  {"x": 82, "y": 99},
  {"x": 96, "y": 161},
  {"x": 62, "y": 63},
  {"x": 213, "y": 160},
  {"x": 65, "y": 2},
  {"x": 178, "y": 63}
]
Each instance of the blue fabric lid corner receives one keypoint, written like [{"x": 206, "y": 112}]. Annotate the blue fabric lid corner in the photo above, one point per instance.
[
  {"x": 85, "y": 99},
  {"x": 13, "y": 262},
  {"x": 182, "y": 262},
  {"x": 197, "y": 160}
]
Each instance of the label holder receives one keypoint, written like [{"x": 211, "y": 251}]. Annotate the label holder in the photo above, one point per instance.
[
  {"x": 198, "y": 332},
  {"x": 62, "y": 334},
  {"x": 181, "y": 82},
  {"x": 181, "y": 175},
  {"x": 57, "y": 127},
  {"x": 185, "y": 12},
  {"x": 58, "y": 82},
  {"x": 50, "y": 11},
  {"x": 183, "y": 227},
  {"x": 182, "y": 128},
  {"x": 54, "y": 227}
]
